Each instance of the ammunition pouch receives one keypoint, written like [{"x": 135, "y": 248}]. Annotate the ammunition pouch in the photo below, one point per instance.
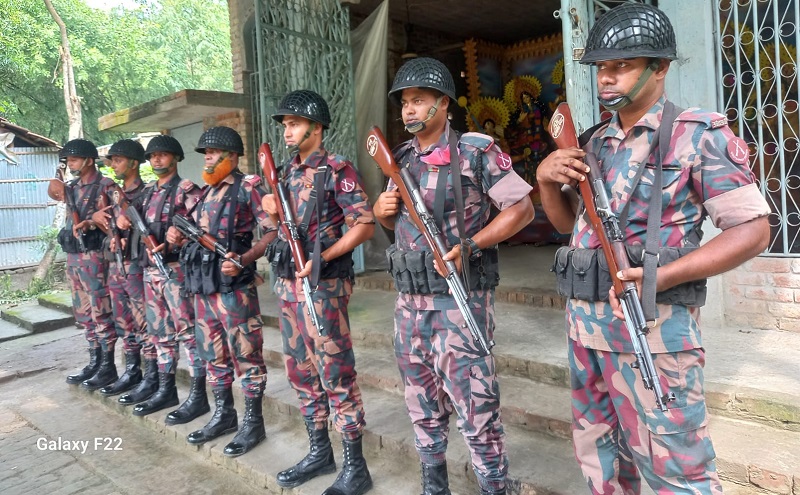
[
  {"x": 159, "y": 231},
  {"x": 92, "y": 239},
  {"x": 202, "y": 269},
  {"x": 413, "y": 271},
  {"x": 279, "y": 254},
  {"x": 583, "y": 274}
]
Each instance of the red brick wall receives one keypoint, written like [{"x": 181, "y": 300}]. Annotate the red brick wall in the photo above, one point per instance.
[{"x": 764, "y": 293}]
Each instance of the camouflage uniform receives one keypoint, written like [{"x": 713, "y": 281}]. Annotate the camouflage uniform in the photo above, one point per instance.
[
  {"x": 170, "y": 316},
  {"x": 441, "y": 366},
  {"x": 321, "y": 369},
  {"x": 228, "y": 324},
  {"x": 616, "y": 426},
  {"x": 127, "y": 292},
  {"x": 88, "y": 272}
]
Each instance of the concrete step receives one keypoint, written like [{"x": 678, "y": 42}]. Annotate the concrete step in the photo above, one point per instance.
[
  {"x": 35, "y": 318},
  {"x": 541, "y": 297},
  {"x": 59, "y": 301},
  {"x": 11, "y": 331},
  {"x": 746, "y": 377},
  {"x": 744, "y": 448}
]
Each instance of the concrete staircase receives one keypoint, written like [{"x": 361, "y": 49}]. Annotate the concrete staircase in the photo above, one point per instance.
[
  {"x": 48, "y": 312},
  {"x": 752, "y": 378}
]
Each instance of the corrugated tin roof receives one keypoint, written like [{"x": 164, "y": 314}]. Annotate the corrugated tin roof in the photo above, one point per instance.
[{"x": 25, "y": 134}]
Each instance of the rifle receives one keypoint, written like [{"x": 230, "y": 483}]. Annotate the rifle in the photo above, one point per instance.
[
  {"x": 409, "y": 192},
  {"x": 288, "y": 224},
  {"x": 149, "y": 240},
  {"x": 196, "y": 234},
  {"x": 58, "y": 190},
  {"x": 606, "y": 227},
  {"x": 112, "y": 227}
]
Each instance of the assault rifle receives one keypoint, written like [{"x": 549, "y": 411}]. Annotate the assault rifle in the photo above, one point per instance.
[
  {"x": 196, "y": 234},
  {"x": 149, "y": 240},
  {"x": 289, "y": 226},
  {"x": 409, "y": 192},
  {"x": 114, "y": 231},
  {"x": 606, "y": 227}
]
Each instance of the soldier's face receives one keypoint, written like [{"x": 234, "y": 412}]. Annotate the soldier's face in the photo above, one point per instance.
[
  {"x": 295, "y": 129},
  {"x": 120, "y": 165},
  {"x": 618, "y": 77},
  {"x": 75, "y": 163},
  {"x": 417, "y": 104},
  {"x": 161, "y": 161}
]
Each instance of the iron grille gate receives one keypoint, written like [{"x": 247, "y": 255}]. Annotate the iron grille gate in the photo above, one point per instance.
[
  {"x": 757, "y": 63},
  {"x": 305, "y": 44}
]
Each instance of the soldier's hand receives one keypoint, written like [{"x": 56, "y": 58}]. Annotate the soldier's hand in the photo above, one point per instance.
[
  {"x": 112, "y": 245},
  {"x": 79, "y": 228},
  {"x": 627, "y": 275},
  {"x": 563, "y": 167},
  {"x": 387, "y": 205},
  {"x": 160, "y": 248},
  {"x": 229, "y": 268},
  {"x": 306, "y": 271},
  {"x": 269, "y": 204},
  {"x": 100, "y": 217},
  {"x": 123, "y": 222},
  {"x": 174, "y": 236},
  {"x": 453, "y": 255}
]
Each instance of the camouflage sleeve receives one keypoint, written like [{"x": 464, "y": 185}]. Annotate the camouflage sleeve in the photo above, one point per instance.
[
  {"x": 187, "y": 197},
  {"x": 721, "y": 173},
  {"x": 104, "y": 194},
  {"x": 256, "y": 193},
  {"x": 350, "y": 196},
  {"x": 500, "y": 182}
]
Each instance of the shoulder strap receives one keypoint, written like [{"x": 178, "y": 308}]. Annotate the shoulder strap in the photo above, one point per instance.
[
  {"x": 653, "y": 241},
  {"x": 319, "y": 188}
]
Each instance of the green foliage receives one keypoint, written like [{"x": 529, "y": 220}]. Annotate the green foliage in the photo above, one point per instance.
[{"x": 121, "y": 58}]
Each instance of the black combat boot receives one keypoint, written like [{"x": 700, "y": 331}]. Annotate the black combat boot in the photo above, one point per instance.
[
  {"x": 106, "y": 374},
  {"x": 502, "y": 491},
  {"x": 146, "y": 388},
  {"x": 434, "y": 479},
  {"x": 319, "y": 460},
  {"x": 224, "y": 420},
  {"x": 354, "y": 478},
  {"x": 129, "y": 379},
  {"x": 165, "y": 396},
  {"x": 194, "y": 406},
  {"x": 252, "y": 431},
  {"x": 89, "y": 370}
]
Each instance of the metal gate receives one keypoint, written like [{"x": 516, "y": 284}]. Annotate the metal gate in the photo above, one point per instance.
[
  {"x": 305, "y": 44},
  {"x": 757, "y": 62}
]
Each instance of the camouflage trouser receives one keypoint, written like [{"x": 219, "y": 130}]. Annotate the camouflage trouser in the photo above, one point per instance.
[
  {"x": 127, "y": 304},
  {"x": 616, "y": 429},
  {"x": 91, "y": 304},
  {"x": 170, "y": 320},
  {"x": 323, "y": 369},
  {"x": 442, "y": 370},
  {"x": 229, "y": 338}
]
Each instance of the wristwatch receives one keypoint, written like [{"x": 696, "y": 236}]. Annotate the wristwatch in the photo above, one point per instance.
[{"x": 474, "y": 250}]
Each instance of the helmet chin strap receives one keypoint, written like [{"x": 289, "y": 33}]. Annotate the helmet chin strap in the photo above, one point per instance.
[
  {"x": 78, "y": 172},
  {"x": 625, "y": 100},
  {"x": 165, "y": 170},
  {"x": 420, "y": 126}
]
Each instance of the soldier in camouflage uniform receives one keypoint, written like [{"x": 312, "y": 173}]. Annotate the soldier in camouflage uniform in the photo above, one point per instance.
[
  {"x": 442, "y": 368},
  {"x": 87, "y": 270},
  {"x": 169, "y": 313},
  {"x": 320, "y": 365},
  {"x": 617, "y": 427},
  {"x": 126, "y": 290},
  {"x": 228, "y": 324}
]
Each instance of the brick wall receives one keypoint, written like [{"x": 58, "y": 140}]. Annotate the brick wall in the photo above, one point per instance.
[
  {"x": 764, "y": 293},
  {"x": 239, "y": 121}
]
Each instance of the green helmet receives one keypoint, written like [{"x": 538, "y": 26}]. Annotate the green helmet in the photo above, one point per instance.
[
  {"x": 304, "y": 103},
  {"x": 422, "y": 72}
]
